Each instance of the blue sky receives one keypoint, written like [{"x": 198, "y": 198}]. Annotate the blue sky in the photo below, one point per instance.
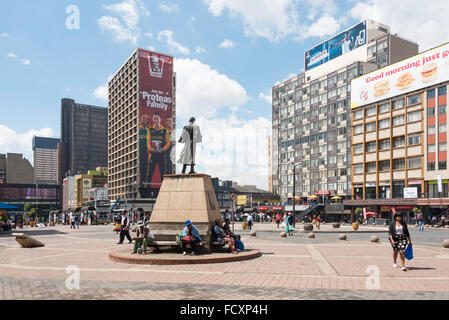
[{"x": 42, "y": 61}]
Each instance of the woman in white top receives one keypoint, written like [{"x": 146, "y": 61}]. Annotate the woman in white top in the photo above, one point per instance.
[{"x": 399, "y": 236}]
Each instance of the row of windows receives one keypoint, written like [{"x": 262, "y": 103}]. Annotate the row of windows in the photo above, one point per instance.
[
  {"x": 385, "y": 123},
  {"x": 398, "y": 164},
  {"x": 398, "y": 142}
]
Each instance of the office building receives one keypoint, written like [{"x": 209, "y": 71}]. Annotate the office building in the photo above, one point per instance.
[
  {"x": 15, "y": 169},
  {"x": 399, "y": 136},
  {"x": 83, "y": 142},
  {"x": 141, "y": 126},
  {"x": 85, "y": 182},
  {"x": 45, "y": 160},
  {"x": 311, "y": 111}
]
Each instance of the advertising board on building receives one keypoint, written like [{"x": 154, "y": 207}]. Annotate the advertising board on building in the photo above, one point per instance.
[
  {"x": 411, "y": 193},
  {"x": 423, "y": 70},
  {"x": 87, "y": 185},
  {"x": 241, "y": 200},
  {"x": 339, "y": 45},
  {"x": 155, "y": 120}
]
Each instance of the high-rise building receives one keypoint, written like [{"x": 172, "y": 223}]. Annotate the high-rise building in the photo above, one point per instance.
[
  {"x": 399, "y": 136},
  {"x": 311, "y": 111},
  {"x": 141, "y": 126},
  {"x": 270, "y": 167},
  {"x": 84, "y": 140},
  {"x": 45, "y": 160},
  {"x": 15, "y": 169}
]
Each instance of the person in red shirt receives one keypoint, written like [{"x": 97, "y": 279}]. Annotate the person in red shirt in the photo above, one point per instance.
[{"x": 278, "y": 219}]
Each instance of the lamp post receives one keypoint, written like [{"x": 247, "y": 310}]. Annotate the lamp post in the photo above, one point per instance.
[{"x": 294, "y": 187}]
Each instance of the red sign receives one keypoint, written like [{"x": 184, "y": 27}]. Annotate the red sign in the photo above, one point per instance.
[
  {"x": 323, "y": 192},
  {"x": 404, "y": 207},
  {"x": 155, "y": 119},
  {"x": 262, "y": 208},
  {"x": 278, "y": 208}
]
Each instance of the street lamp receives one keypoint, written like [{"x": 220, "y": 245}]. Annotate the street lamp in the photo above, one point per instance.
[{"x": 294, "y": 186}]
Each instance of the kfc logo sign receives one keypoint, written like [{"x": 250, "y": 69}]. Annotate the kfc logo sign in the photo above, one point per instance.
[
  {"x": 156, "y": 66},
  {"x": 364, "y": 94}
]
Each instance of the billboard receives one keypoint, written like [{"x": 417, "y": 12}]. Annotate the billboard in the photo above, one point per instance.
[
  {"x": 87, "y": 185},
  {"x": 425, "y": 69},
  {"x": 241, "y": 200},
  {"x": 341, "y": 44},
  {"x": 156, "y": 125}
]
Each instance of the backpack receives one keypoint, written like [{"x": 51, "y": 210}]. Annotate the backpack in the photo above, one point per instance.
[{"x": 239, "y": 245}]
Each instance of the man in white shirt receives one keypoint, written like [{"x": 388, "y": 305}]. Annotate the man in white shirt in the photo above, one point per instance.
[
  {"x": 346, "y": 44},
  {"x": 124, "y": 228}
]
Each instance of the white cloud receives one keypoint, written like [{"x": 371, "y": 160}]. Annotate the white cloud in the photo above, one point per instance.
[
  {"x": 149, "y": 35},
  {"x": 227, "y": 44},
  {"x": 102, "y": 91},
  {"x": 427, "y": 25},
  {"x": 235, "y": 149},
  {"x": 4, "y": 35},
  {"x": 151, "y": 48},
  {"x": 169, "y": 8},
  {"x": 270, "y": 19},
  {"x": 125, "y": 28},
  {"x": 201, "y": 90},
  {"x": 21, "y": 60},
  {"x": 167, "y": 37},
  {"x": 14, "y": 142},
  {"x": 267, "y": 97},
  {"x": 324, "y": 26},
  {"x": 200, "y": 50}
]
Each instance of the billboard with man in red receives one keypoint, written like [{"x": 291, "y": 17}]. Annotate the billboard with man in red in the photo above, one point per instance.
[{"x": 155, "y": 120}]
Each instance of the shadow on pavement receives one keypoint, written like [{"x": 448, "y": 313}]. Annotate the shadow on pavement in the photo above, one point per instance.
[{"x": 418, "y": 268}]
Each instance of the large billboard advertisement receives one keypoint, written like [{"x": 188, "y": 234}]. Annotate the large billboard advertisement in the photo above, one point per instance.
[
  {"x": 156, "y": 123},
  {"x": 423, "y": 70},
  {"x": 339, "y": 45}
]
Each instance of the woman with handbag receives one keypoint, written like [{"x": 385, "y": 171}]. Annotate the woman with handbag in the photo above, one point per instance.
[
  {"x": 399, "y": 237},
  {"x": 220, "y": 236},
  {"x": 191, "y": 236}
]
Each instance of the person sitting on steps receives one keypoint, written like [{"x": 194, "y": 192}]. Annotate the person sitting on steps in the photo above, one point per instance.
[{"x": 220, "y": 236}]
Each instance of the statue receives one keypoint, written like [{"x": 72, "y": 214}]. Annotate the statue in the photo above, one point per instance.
[{"x": 191, "y": 135}]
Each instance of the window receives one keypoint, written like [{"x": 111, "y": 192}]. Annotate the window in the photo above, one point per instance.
[
  {"x": 430, "y": 166},
  {"x": 398, "y": 120},
  {"x": 370, "y": 127},
  {"x": 431, "y": 148},
  {"x": 431, "y": 94},
  {"x": 442, "y": 91},
  {"x": 370, "y": 146},
  {"x": 358, "y": 114},
  {"x": 414, "y": 162},
  {"x": 384, "y": 144},
  {"x": 398, "y": 142},
  {"x": 442, "y": 127},
  {"x": 414, "y": 138},
  {"x": 384, "y": 107},
  {"x": 398, "y": 104},
  {"x": 358, "y": 168},
  {"x": 415, "y": 99},
  {"x": 371, "y": 167},
  {"x": 341, "y": 158},
  {"x": 333, "y": 160},
  {"x": 358, "y": 129},
  {"x": 358, "y": 148},
  {"x": 431, "y": 130},
  {"x": 384, "y": 123},
  {"x": 370, "y": 111},
  {"x": 414, "y": 116},
  {"x": 384, "y": 165},
  {"x": 442, "y": 165},
  {"x": 442, "y": 147},
  {"x": 341, "y": 77},
  {"x": 442, "y": 109},
  {"x": 398, "y": 164}
]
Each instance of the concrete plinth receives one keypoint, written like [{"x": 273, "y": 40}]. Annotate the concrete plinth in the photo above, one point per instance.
[
  {"x": 27, "y": 241},
  {"x": 185, "y": 197}
]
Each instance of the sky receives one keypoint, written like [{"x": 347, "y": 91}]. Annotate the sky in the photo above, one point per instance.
[{"x": 228, "y": 55}]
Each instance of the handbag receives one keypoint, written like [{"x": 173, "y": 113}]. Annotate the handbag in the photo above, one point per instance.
[
  {"x": 409, "y": 252},
  {"x": 239, "y": 245},
  {"x": 186, "y": 239}
]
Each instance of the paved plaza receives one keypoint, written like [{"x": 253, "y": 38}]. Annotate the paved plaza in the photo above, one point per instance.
[{"x": 289, "y": 268}]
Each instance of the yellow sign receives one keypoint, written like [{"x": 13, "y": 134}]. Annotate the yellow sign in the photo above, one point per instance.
[{"x": 241, "y": 200}]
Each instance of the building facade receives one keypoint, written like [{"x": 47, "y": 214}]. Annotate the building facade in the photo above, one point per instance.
[
  {"x": 83, "y": 142},
  {"x": 45, "y": 160},
  {"x": 15, "y": 169},
  {"x": 399, "y": 136},
  {"x": 85, "y": 182},
  {"x": 141, "y": 126},
  {"x": 311, "y": 111}
]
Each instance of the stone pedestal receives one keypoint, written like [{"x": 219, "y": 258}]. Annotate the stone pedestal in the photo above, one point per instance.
[{"x": 185, "y": 197}]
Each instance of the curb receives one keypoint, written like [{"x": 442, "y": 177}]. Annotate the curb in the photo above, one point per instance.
[
  {"x": 319, "y": 231},
  {"x": 117, "y": 256}
]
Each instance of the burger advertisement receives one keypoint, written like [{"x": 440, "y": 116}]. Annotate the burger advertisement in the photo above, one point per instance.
[{"x": 424, "y": 70}]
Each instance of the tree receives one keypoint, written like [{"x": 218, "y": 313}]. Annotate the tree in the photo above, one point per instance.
[
  {"x": 26, "y": 207},
  {"x": 358, "y": 214}
]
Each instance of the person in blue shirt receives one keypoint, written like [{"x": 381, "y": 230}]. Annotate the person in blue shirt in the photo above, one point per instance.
[{"x": 195, "y": 239}]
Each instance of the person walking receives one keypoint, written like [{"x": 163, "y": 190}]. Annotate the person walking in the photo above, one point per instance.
[
  {"x": 124, "y": 228},
  {"x": 419, "y": 218},
  {"x": 318, "y": 222},
  {"x": 399, "y": 237},
  {"x": 250, "y": 221},
  {"x": 278, "y": 219}
]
